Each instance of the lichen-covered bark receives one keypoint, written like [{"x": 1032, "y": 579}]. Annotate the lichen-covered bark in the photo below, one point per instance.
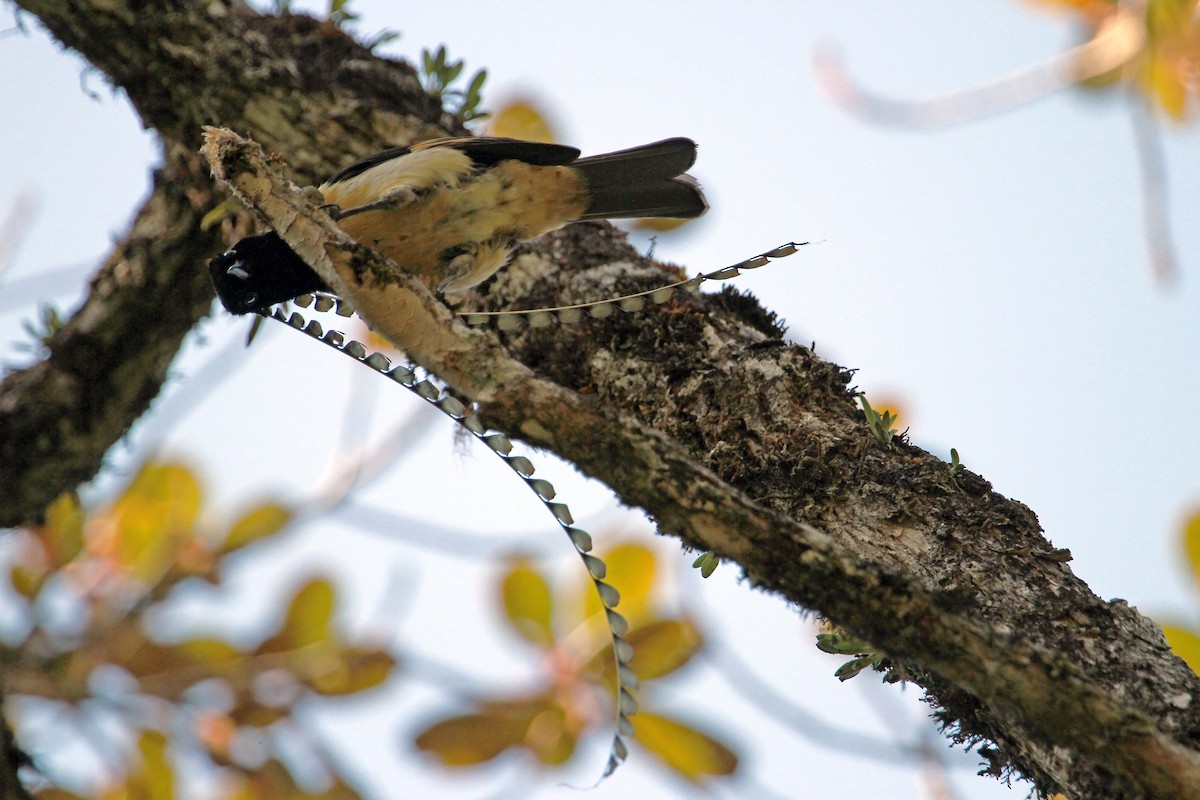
[
  {"x": 779, "y": 424},
  {"x": 60, "y": 416},
  {"x": 954, "y": 582},
  {"x": 304, "y": 88},
  {"x": 699, "y": 411}
]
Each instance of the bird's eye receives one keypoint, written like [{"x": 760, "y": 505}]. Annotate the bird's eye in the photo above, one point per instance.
[{"x": 251, "y": 299}]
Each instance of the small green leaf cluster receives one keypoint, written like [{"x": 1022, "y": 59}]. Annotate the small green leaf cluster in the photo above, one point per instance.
[
  {"x": 438, "y": 74},
  {"x": 882, "y": 427},
  {"x": 840, "y": 644}
]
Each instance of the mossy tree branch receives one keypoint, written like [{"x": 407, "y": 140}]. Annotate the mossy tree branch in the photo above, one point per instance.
[{"x": 700, "y": 412}]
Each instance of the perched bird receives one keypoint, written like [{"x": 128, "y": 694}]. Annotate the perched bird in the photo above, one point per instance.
[{"x": 451, "y": 210}]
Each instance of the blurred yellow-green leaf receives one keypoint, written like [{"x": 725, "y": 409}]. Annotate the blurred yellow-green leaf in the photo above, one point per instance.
[
  {"x": 549, "y": 737},
  {"x": 687, "y": 751},
  {"x": 521, "y": 119},
  {"x": 172, "y": 486},
  {"x": 156, "y": 778},
  {"x": 63, "y": 534},
  {"x": 660, "y": 648},
  {"x": 1153, "y": 49},
  {"x": 258, "y": 523},
  {"x": 147, "y": 659},
  {"x": 153, "y": 520},
  {"x": 209, "y": 651},
  {"x": 472, "y": 738},
  {"x": 528, "y": 605},
  {"x": 250, "y": 712},
  {"x": 26, "y": 582},
  {"x": 538, "y": 724},
  {"x": 1185, "y": 644},
  {"x": 352, "y": 670},
  {"x": 1191, "y": 543},
  {"x": 310, "y": 613},
  {"x": 659, "y": 224},
  {"x": 374, "y": 341},
  {"x": 632, "y": 570},
  {"x": 1164, "y": 79}
]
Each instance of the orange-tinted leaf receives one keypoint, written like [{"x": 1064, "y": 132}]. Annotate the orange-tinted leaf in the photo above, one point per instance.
[
  {"x": 527, "y": 602},
  {"x": 310, "y": 613},
  {"x": 1191, "y": 543},
  {"x": 1185, "y": 643},
  {"x": 632, "y": 570},
  {"x": 521, "y": 120},
  {"x": 259, "y": 523},
  {"x": 889, "y": 404},
  {"x": 216, "y": 733},
  {"x": 63, "y": 534},
  {"x": 374, "y": 341},
  {"x": 472, "y": 738},
  {"x": 692, "y": 754}
]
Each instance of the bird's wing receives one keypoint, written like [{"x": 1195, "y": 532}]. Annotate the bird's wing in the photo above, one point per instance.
[{"x": 483, "y": 151}]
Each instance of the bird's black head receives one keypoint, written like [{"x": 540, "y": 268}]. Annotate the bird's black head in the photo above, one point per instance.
[{"x": 260, "y": 271}]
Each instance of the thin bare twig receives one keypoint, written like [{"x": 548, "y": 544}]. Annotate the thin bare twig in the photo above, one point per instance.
[
  {"x": 1117, "y": 40},
  {"x": 1155, "y": 207}
]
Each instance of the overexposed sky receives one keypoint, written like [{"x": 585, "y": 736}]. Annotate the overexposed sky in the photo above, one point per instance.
[{"x": 991, "y": 277}]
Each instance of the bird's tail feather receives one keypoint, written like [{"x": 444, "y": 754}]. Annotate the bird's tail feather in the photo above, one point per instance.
[{"x": 646, "y": 181}]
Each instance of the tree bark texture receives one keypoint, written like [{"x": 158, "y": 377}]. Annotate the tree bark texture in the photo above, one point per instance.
[{"x": 700, "y": 411}]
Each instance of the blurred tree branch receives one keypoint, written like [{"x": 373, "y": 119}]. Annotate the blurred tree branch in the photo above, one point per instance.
[
  {"x": 1147, "y": 50},
  {"x": 699, "y": 412}
]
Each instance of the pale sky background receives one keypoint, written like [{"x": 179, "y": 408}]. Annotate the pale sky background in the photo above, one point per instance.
[{"x": 992, "y": 277}]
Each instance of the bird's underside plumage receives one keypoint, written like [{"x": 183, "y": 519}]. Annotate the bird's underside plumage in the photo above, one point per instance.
[{"x": 451, "y": 210}]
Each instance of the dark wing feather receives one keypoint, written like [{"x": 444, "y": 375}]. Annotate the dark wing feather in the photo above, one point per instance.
[
  {"x": 488, "y": 150},
  {"x": 365, "y": 163},
  {"x": 648, "y": 162},
  {"x": 484, "y": 152}
]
